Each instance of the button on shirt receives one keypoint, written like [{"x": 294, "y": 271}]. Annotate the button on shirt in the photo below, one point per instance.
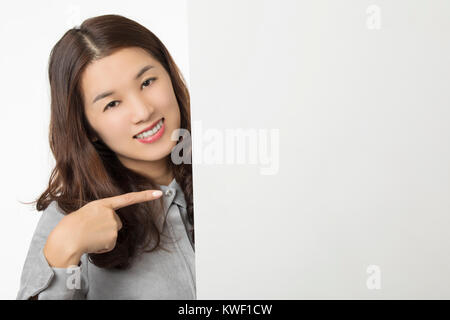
[{"x": 153, "y": 275}]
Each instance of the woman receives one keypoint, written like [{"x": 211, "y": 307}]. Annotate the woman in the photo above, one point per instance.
[{"x": 117, "y": 101}]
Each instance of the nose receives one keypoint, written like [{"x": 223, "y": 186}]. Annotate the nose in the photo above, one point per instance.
[{"x": 141, "y": 111}]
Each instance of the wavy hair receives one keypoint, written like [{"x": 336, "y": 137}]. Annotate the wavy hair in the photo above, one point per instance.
[{"x": 87, "y": 170}]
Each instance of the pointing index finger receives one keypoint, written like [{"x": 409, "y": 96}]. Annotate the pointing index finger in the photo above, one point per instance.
[{"x": 130, "y": 198}]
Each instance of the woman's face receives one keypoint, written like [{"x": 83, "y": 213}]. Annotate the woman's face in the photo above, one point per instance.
[{"x": 138, "y": 93}]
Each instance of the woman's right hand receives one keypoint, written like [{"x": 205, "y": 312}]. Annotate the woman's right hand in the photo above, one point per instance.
[{"x": 91, "y": 229}]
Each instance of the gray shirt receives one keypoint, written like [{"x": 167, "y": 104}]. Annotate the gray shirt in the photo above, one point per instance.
[{"x": 153, "y": 275}]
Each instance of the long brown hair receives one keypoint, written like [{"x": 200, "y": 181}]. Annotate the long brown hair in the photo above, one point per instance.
[{"x": 87, "y": 170}]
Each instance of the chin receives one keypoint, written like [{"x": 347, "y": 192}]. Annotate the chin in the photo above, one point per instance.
[{"x": 160, "y": 153}]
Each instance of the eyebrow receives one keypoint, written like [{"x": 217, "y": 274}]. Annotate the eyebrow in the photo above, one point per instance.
[{"x": 108, "y": 93}]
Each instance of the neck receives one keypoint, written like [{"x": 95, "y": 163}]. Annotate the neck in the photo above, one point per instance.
[{"x": 158, "y": 171}]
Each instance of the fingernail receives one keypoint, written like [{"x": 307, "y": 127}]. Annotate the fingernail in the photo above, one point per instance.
[{"x": 157, "y": 193}]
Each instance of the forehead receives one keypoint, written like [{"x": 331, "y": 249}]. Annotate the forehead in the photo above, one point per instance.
[{"x": 117, "y": 69}]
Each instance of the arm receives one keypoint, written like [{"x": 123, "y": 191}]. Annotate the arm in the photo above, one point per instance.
[{"x": 43, "y": 280}]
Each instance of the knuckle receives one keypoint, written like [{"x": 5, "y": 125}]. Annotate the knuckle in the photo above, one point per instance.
[
  {"x": 112, "y": 244},
  {"x": 95, "y": 207},
  {"x": 95, "y": 204},
  {"x": 113, "y": 235},
  {"x": 127, "y": 197}
]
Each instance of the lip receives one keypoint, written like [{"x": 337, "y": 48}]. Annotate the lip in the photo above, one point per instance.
[
  {"x": 155, "y": 137},
  {"x": 148, "y": 128}
]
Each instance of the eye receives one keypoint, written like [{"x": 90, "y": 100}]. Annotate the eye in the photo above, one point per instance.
[
  {"x": 146, "y": 82},
  {"x": 110, "y": 105}
]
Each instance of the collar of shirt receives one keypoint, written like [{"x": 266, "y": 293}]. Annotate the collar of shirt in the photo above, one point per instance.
[{"x": 171, "y": 193}]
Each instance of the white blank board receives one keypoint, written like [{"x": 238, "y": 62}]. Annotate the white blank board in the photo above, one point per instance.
[{"x": 359, "y": 91}]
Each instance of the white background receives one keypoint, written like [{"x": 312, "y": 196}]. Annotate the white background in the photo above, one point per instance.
[
  {"x": 364, "y": 175},
  {"x": 28, "y": 31}
]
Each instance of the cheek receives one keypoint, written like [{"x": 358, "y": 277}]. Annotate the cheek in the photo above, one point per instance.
[
  {"x": 112, "y": 128},
  {"x": 164, "y": 97},
  {"x": 173, "y": 110}
]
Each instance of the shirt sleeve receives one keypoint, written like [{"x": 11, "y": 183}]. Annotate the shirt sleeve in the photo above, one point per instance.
[{"x": 39, "y": 278}]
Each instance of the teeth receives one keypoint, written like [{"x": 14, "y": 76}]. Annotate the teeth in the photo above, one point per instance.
[{"x": 150, "y": 132}]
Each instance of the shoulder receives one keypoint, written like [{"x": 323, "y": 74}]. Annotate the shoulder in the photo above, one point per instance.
[{"x": 50, "y": 217}]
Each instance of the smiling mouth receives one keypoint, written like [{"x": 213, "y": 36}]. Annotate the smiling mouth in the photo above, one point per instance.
[{"x": 150, "y": 131}]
